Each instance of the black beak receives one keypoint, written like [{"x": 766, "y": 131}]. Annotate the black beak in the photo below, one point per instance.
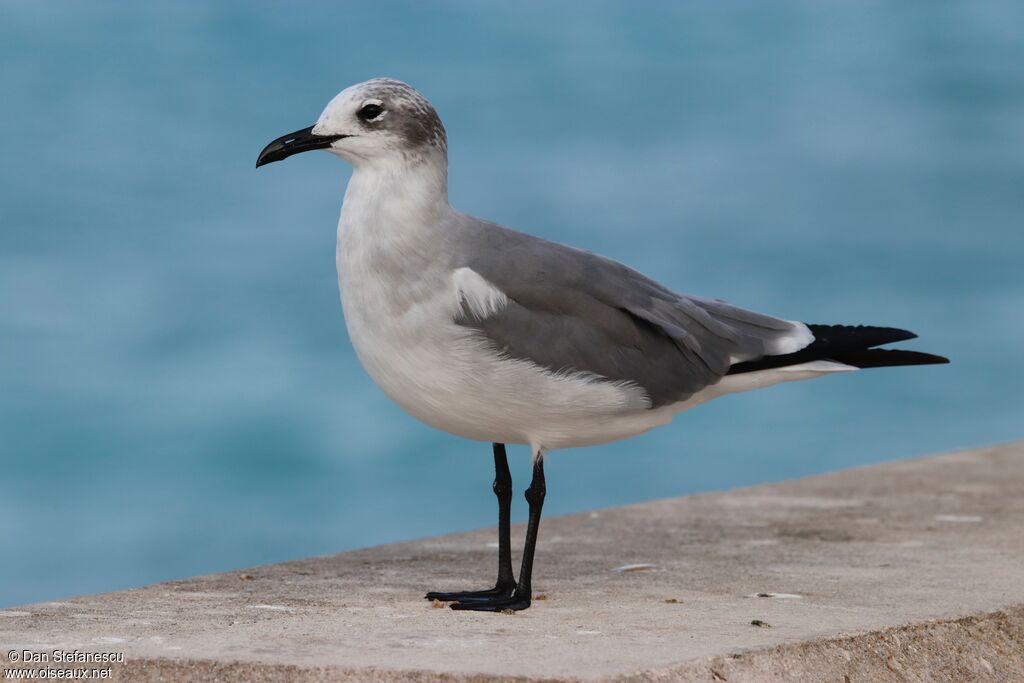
[{"x": 300, "y": 141}]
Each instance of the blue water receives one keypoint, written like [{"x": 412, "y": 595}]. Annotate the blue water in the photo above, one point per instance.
[{"x": 177, "y": 391}]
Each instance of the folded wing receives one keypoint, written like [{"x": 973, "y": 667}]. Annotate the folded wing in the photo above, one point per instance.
[{"x": 569, "y": 310}]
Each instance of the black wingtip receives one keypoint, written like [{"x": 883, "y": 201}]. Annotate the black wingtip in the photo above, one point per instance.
[
  {"x": 850, "y": 344},
  {"x": 885, "y": 358},
  {"x": 858, "y": 336}
]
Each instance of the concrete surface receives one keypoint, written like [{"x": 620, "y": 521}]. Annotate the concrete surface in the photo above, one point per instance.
[{"x": 906, "y": 571}]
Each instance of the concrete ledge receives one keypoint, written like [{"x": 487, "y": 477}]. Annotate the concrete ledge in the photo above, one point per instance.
[{"x": 906, "y": 571}]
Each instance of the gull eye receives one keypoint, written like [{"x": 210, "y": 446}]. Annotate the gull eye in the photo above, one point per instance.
[{"x": 370, "y": 111}]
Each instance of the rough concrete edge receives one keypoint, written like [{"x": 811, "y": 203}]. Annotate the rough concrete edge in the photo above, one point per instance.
[{"x": 983, "y": 647}]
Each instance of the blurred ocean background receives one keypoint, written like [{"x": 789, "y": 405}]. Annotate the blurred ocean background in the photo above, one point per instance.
[{"x": 177, "y": 391}]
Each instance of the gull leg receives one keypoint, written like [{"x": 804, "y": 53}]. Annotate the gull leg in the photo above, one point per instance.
[
  {"x": 506, "y": 581},
  {"x": 520, "y": 598}
]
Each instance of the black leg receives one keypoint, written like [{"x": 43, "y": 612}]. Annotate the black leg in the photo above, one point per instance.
[
  {"x": 506, "y": 581},
  {"x": 520, "y": 598}
]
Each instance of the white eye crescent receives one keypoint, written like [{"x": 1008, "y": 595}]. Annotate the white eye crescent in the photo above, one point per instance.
[{"x": 371, "y": 111}]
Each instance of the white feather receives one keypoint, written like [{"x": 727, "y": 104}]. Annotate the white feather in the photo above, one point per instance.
[
  {"x": 798, "y": 339},
  {"x": 481, "y": 297}
]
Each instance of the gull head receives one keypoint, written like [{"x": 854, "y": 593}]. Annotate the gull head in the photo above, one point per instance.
[{"x": 378, "y": 121}]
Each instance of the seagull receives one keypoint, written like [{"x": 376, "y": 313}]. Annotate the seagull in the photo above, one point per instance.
[{"x": 503, "y": 337}]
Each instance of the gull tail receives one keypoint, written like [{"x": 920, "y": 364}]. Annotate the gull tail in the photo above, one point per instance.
[{"x": 852, "y": 345}]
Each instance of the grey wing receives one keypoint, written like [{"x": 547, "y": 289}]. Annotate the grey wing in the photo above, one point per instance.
[{"x": 572, "y": 310}]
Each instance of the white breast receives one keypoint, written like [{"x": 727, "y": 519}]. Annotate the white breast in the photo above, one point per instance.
[{"x": 401, "y": 298}]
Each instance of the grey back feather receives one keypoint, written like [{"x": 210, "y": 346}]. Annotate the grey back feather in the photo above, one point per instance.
[{"x": 573, "y": 310}]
